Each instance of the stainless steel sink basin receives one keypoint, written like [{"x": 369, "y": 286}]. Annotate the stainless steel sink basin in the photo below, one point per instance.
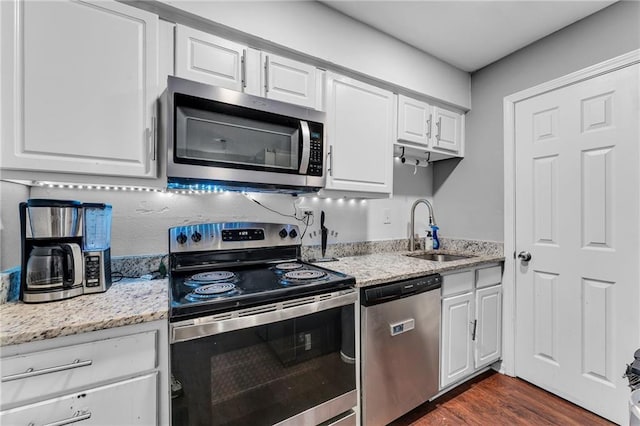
[{"x": 439, "y": 257}]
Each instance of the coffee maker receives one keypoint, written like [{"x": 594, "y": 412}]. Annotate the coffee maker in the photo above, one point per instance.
[
  {"x": 66, "y": 249},
  {"x": 52, "y": 258},
  {"x": 97, "y": 247}
]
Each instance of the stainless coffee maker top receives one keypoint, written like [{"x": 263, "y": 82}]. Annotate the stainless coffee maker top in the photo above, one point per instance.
[{"x": 54, "y": 218}]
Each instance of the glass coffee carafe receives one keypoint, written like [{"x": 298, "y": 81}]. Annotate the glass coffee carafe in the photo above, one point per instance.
[{"x": 53, "y": 266}]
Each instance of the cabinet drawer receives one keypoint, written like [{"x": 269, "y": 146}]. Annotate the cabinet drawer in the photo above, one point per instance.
[
  {"x": 37, "y": 374},
  {"x": 460, "y": 282},
  {"x": 486, "y": 277},
  {"x": 129, "y": 402}
]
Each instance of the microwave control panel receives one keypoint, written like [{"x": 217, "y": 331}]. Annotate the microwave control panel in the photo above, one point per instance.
[{"x": 315, "y": 154}]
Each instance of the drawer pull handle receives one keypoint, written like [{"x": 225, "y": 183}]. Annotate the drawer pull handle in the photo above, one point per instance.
[
  {"x": 78, "y": 417},
  {"x": 31, "y": 372}
]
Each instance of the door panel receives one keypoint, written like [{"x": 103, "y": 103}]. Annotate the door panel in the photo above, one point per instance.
[
  {"x": 489, "y": 326},
  {"x": 457, "y": 356},
  {"x": 448, "y": 128},
  {"x": 289, "y": 81},
  {"x": 86, "y": 80},
  {"x": 359, "y": 134},
  {"x": 577, "y": 213},
  {"x": 209, "y": 59},
  {"x": 414, "y": 121}
]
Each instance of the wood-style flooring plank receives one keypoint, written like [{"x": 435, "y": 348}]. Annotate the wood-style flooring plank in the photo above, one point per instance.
[{"x": 496, "y": 399}]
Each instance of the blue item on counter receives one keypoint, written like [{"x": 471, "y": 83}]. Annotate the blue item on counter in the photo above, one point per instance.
[{"x": 436, "y": 239}]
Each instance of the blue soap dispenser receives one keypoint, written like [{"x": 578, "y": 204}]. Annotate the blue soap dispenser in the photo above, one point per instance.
[{"x": 434, "y": 235}]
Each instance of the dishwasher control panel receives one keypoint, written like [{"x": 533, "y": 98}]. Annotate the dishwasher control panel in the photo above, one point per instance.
[
  {"x": 399, "y": 289},
  {"x": 401, "y": 327}
]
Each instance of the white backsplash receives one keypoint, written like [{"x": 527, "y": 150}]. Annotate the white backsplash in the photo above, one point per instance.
[{"x": 141, "y": 219}]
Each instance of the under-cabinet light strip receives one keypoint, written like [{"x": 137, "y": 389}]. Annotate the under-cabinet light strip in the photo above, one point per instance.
[{"x": 185, "y": 191}]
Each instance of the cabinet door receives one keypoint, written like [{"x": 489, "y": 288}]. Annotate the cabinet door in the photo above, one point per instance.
[
  {"x": 289, "y": 81},
  {"x": 456, "y": 360},
  {"x": 79, "y": 82},
  {"x": 359, "y": 135},
  {"x": 414, "y": 121},
  {"x": 448, "y": 127},
  {"x": 35, "y": 375},
  {"x": 129, "y": 402},
  {"x": 488, "y": 347},
  {"x": 209, "y": 59}
]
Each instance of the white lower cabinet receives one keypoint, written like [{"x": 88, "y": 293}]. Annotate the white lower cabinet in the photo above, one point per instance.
[
  {"x": 457, "y": 353},
  {"x": 471, "y": 335},
  {"x": 128, "y": 402},
  {"x": 488, "y": 342},
  {"x": 107, "y": 377}
]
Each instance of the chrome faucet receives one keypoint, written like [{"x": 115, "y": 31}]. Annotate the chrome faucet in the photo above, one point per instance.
[{"x": 432, "y": 221}]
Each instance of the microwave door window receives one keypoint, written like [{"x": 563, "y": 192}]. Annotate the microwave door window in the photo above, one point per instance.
[{"x": 233, "y": 141}]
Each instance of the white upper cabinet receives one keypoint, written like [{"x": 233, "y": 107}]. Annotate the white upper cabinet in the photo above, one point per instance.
[
  {"x": 430, "y": 129},
  {"x": 448, "y": 134},
  {"x": 359, "y": 134},
  {"x": 414, "y": 121},
  {"x": 209, "y": 59},
  {"x": 79, "y": 82},
  {"x": 291, "y": 81}
]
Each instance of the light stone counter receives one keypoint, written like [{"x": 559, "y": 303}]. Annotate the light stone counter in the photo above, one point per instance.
[
  {"x": 137, "y": 301},
  {"x": 379, "y": 268},
  {"x": 125, "y": 303}
]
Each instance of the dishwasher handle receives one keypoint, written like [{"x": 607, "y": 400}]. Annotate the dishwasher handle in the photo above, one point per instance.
[{"x": 399, "y": 289}]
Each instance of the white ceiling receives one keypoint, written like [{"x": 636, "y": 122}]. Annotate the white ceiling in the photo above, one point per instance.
[{"x": 468, "y": 34}]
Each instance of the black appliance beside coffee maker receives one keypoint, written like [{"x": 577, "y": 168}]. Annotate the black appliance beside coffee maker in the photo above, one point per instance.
[{"x": 59, "y": 260}]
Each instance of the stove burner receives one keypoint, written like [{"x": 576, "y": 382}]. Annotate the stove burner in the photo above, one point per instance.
[
  {"x": 289, "y": 266},
  {"x": 304, "y": 275},
  {"x": 210, "y": 291},
  {"x": 212, "y": 276}
]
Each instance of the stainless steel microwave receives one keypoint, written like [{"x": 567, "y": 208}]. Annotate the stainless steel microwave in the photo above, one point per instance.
[{"x": 220, "y": 137}]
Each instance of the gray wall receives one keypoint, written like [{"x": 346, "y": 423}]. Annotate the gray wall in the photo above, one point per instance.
[
  {"x": 468, "y": 194},
  {"x": 11, "y": 194}
]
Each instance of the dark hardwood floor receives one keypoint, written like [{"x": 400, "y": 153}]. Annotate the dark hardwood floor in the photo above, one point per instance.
[{"x": 496, "y": 399}]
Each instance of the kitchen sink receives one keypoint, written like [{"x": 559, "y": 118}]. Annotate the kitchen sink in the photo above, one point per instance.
[{"x": 438, "y": 257}]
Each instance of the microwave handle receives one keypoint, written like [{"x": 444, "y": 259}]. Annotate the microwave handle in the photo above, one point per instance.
[{"x": 306, "y": 147}]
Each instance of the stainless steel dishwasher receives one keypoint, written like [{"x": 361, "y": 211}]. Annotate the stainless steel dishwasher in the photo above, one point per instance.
[{"x": 400, "y": 343}]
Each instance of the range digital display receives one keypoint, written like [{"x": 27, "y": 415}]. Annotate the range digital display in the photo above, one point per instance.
[{"x": 242, "y": 234}]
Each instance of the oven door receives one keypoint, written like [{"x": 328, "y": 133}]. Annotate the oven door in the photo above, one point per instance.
[{"x": 287, "y": 363}]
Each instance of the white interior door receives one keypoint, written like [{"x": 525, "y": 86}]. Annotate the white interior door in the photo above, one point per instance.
[{"x": 577, "y": 214}]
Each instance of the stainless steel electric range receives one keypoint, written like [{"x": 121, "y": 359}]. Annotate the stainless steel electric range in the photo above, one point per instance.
[{"x": 257, "y": 336}]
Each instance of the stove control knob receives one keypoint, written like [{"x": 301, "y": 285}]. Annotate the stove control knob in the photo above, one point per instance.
[
  {"x": 283, "y": 233},
  {"x": 196, "y": 237},
  {"x": 293, "y": 233},
  {"x": 181, "y": 238}
]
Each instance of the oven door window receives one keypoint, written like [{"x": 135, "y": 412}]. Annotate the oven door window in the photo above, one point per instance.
[
  {"x": 230, "y": 136},
  {"x": 261, "y": 375}
]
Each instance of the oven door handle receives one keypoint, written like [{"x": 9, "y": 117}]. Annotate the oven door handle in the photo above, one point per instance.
[{"x": 196, "y": 328}]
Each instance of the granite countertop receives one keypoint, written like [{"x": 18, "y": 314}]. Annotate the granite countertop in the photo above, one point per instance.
[
  {"x": 136, "y": 301},
  {"x": 379, "y": 268},
  {"x": 125, "y": 303}
]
